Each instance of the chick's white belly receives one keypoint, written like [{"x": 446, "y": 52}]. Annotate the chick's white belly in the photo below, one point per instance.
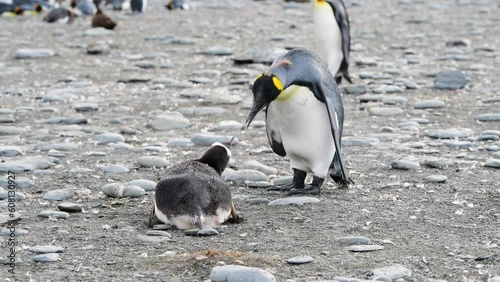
[
  {"x": 187, "y": 222},
  {"x": 328, "y": 37},
  {"x": 305, "y": 130}
]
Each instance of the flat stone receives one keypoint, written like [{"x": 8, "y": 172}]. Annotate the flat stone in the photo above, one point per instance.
[
  {"x": 152, "y": 161},
  {"x": 67, "y": 193},
  {"x": 32, "y": 53},
  {"x": 449, "y": 133},
  {"x": 17, "y": 232},
  {"x": 488, "y": 117},
  {"x": 298, "y": 201},
  {"x": 255, "y": 165},
  {"x": 7, "y": 217},
  {"x": 354, "y": 89},
  {"x": 70, "y": 207},
  {"x": 53, "y": 214},
  {"x": 450, "y": 80},
  {"x": 494, "y": 163},
  {"x": 387, "y": 89},
  {"x": 359, "y": 141},
  {"x": 158, "y": 233},
  {"x": 240, "y": 176},
  {"x": 209, "y": 139},
  {"x": 108, "y": 137},
  {"x": 353, "y": 240},
  {"x": 10, "y": 151},
  {"x": 11, "y": 130},
  {"x": 169, "y": 122},
  {"x": 238, "y": 273},
  {"x": 51, "y": 257},
  {"x": 365, "y": 248},
  {"x": 436, "y": 178},
  {"x": 145, "y": 184},
  {"x": 98, "y": 31},
  {"x": 404, "y": 165},
  {"x": 439, "y": 163},
  {"x": 491, "y": 132},
  {"x": 429, "y": 104},
  {"x": 218, "y": 51},
  {"x": 229, "y": 125},
  {"x": 28, "y": 164},
  {"x": 385, "y": 111},
  {"x": 85, "y": 107},
  {"x": 162, "y": 227},
  {"x": 300, "y": 260},
  {"x": 393, "y": 271},
  {"x": 394, "y": 100},
  {"x": 115, "y": 169},
  {"x": 67, "y": 147},
  {"x": 46, "y": 249},
  {"x": 122, "y": 190},
  {"x": 257, "y": 201}
]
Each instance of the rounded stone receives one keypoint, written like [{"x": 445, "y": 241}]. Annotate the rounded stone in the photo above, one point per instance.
[
  {"x": 429, "y": 104},
  {"x": 255, "y": 165},
  {"x": 297, "y": 201},
  {"x": 494, "y": 163},
  {"x": 106, "y": 138},
  {"x": 115, "y": 169},
  {"x": 365, "y": 248},
  {"x": 300, "y": 260},
  {"x": 70, "y": 207},
  {"x": 436, "y": 178},
  {"x": 53, "y": 214},
  {"x": 51, "y": 257},
  {"x": 449, "y": 133},
  {"x": 158, "y": 233},
  {"x": 353, "y": 240},
  {"x": 405, "y": 165},
  {"x": 122, "y": 190},
  {"x": 385, "y": 111},
  {"x": 145, "y": 184},
  {"x": 209, "y": 139},
  {"x": 238, "y": 273},
  {"x": 240, "y": 176},
  {"x": 488, "y": 117},
  {"x": 46, "y": 249},
  {"x": 450, "y": 80},
  {"x": 152, "y": 161}
]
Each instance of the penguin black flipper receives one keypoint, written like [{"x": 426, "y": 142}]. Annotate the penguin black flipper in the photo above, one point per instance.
[
  {"x": 273, "y": 134},
  {"x": 343, "y": 22}
]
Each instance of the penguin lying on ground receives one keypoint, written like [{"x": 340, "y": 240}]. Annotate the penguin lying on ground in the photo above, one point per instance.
[
  {"x": 304, "y": 118},
  {"x": 101, "y": 20},
  {"x": 332, "y": 34},
  {"x": 61, "y": 15},
  {"x": 177, "y": 4},
  {"x": 193, "y": 194}
]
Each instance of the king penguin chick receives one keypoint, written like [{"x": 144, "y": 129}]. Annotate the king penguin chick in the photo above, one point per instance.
[
  {"x": 101, "y": 20},
  {"x": 193, "y": 194},
  {"x": 332, "y": 36},
  {"x": 138, "y": 6},
  {"x": 304, "y": 118}
]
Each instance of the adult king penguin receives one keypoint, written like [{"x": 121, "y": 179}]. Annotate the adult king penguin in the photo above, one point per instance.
[
  {"x": 138, "y": 6},
  {"x": 304, "y": 118},
  {"x": 332, "y": 36}
]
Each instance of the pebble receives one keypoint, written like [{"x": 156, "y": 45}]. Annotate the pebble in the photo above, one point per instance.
[
  {"x": 10, "y": 151},
  {"x": 32, "y": 53},
  {"x": 152, "y": 161},
  {"x": 450, "y": 80},
  {"x": 67, "y": 193},
  {"x": 359, "y": 141},
  {"x": 300, "y": 260},
  {"x": 162, "y": 227},
  {"x": 70, "y": 207},
  {"x": 5, "y": 194},
  {"x": 387, "y": 89},
  {"x": 53, "y": 214},
  {"x": 158, "y": 233},
  {"x": 145, "y": 184},
  {"x": 404, "y": 165},
  {"x": 46, "y": 257},
  {"x": 297, "y": 201},
  {"x": 439, "y": 163},
  {"x": 21, "y": 182},
  {"x": 255, "y": 165},
  {"x": 394, "y": 100},
  {"x": 10, "y": 130},
  {"x": 258, "y": 184},
  {"x": 238, "y": 273},
  {"x": 98, "y": 31},
  {"x": 67, "y": 147},
  {"x": 240, "y": 176},
  {"x": 353, "y": 240},
  {"x": 385, "y": 111},
  {"x": 85, "y": 107},
  {"x": 393, "y": 271},
  {"x": 488, "y": 117},
  {"x": 115, "y": 169},
  {"x": 17, "y": 232},
  {"x": 46, "y": 249},
  {"x": 429, "y": 104},
  {"x": 218, "y": 51},
  {"x": 209, "y": 139},
  {"x": 201, "y": 111},
  {"x": 257, "y": 201},
  {"x": 169, "y": 122},
  {"x": 229, "y": 125},
  {"x": 179, "y": 142},
  {"x": 436, "y": 178},
  {"x": 122, "y": 190},
  {"x": 108, "y": 137},
  {"x": 494, "y": 163},
  {"x": 354, "y": 89},
  {"x": 450, "y": 133},
  {"x": 28, "y": 164},
  {"x": 496, "y": 278},
  {"x": 7, "y": 217},
  {"x": 365, "y": 248}
]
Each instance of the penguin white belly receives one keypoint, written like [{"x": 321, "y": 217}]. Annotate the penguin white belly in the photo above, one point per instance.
[
  {"x": 144, "y": 5},
  {"x": 187, "y": 222},
  {"x": 328, "y": 37},
  {"x": 305, "y": 130}
]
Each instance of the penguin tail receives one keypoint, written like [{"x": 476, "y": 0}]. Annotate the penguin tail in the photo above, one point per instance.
[
  {"x": 345, "y": 75},
  {"x": 197, "y": 220},
  {"x": 342, "y": 180},
  {"x": 152, "y": 216}
]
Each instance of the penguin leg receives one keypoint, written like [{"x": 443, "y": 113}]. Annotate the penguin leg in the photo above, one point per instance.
[
  {"x": 152, "y": 217},
  {"x": 314, "y": 189},
  {"x": 299, "y": 177},
  {"x": 234, "y": 218}
]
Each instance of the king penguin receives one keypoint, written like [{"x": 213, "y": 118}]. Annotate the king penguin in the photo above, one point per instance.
[
  {"x": 138, "y": 6},
  {"x": 332, "y": 36},
  {"x": 304, "y": 118},
  {"x": 192, "y": 195}
]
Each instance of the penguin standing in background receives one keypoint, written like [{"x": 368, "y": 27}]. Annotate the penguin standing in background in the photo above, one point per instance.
[
  {"x": 332, "y": 36},
  {"x": 193, "y": 194},
  {"x": 177, "y": 4},
  {"x": 304, "y": 118},
  {"x": 138, "y": 6}
]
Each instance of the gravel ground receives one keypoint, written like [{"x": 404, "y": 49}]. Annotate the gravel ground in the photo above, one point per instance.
[{"x": 425, "y": 160}]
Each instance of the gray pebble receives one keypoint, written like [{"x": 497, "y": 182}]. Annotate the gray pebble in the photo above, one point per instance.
[
  {"x": 229, "y": 125},
  {"x": 354, "y": 89},
  {"x": 393, "y": 271},
  {"x": 85, "y": 107},
  {"x": 385, "y": 111},
  {"x": 21, "y": 182},
  {"x": 359, "y": 141},
  {"x": 108, "y": 137},
  {"x": 122, "y": 190},
  {"x": 494, "y": 163},
  {"x": 450, "y": 80},
  {"x": 46, "y": 249},
  {"x": 28, "y": 164},
  {"x": 240, "y": 176},
  {"x": 458, "y": 144},
  {"x": 491, "y": 132},
  {"x": 17, "y": 232},
  {"x": 218, "y": 51},
  {"x": 179, "y": 142},
  {"x": 207, "y": 231},
  {"x": 152, "y": 161},
  {"x": 145, "y": 65},
  {"x": 158, "y": 233},
  {"x": 162, "y": 227},
  {"x": 169, "y": 122},
  {"x": 255, "y": 165},
  {"x": 387, "y": 89},
  {"x": 365, "y": 248},
  {"x": 496, "y": 278},
  {"x": 394, "y": 100},
  {"x": 300, "y": 260},
  {"x": 98, "y": 31},
  {"x": 10, "y": 130},
  {"x": 257, "y": 201},
  {"x": 353, "y": 240},
  {"x": 404, "y": 165},
  {"x": 46, "y": 257},
  {"x": 53, "y": 214},
  {"x": 370, "y": 98},
  {"x": 31, "y": 53},
  {"x": 70, "y": 207},
  {"x": 436, "y": 178},
  {"x": 439, "y": 163},
  {"x": 488, "y": 138},
  {"x": 67, "y": 147},
  {"x": 5, "y": 194},
  {"x": 237, "y": 273},
  {"x": 258, "y": 184},
  {"x": 366, "y": 62},
  {"x": 63, "y": 194},
  {"x": 449, "y": 133},
  {"x": 209, "y": 139},
  {"x": 259, "y": 56},
  {"x": 201, "y": 111},
  {"x": 115, "y": 169},
  {"x": 488, "y": 117},
  {"x": 298, "y": 201},
  {"x": 10, "y": 151},
  {"x": 429, "y": 104},
  {"x": 145, "y": 184}
]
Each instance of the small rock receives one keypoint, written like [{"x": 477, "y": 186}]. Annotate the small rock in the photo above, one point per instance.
[
  {"x": 436, "y": 178},
  {"x": 353, "y": 240},
  {"x": 404, "y": 165},
  {"x": 300, "y": 260},
  {"x": 169, "y": 122},
  {"x": 209, "y": 139},
  {"x": 450, "y": 80},
  {"x": 218, "y": 51},
  {"x": 429, "y": 104},
  {"x": 145, "y": 184},
  {"x": 85, "y": 107},
  {"x": 450, "y": 133},
  {"x": 115, "y": 169},
  {"x": 158, "y": 233},
  {"x": 238, "y": 273},
  {"x": 106, "y": 138},
  {"x": 298, "y": 201},
  {"x": 494, "y": 163},
  {"x": 122, "y": 190},
  {"x": 53, "y": 214},
  {"x": 255, "y": 165},
  {"x": 63, "y": 194},
  {"x": 488, "y": 117},
  {"x": 10, "y": 151},
  {"x": 385, "y": 111},
  {"x": 46, "y": 249},
  {"x": 70, "y": 207},
  {"x": 152, "y": 161},
  {"x": 26, "y": 53},
  {"x": 240, "y": 176},
  {"x": 393, "y": 271},
  {"x": 46, "y": 257},
  {"x": 365, "y": 248}
]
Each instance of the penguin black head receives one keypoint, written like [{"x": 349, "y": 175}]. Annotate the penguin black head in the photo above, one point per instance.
[
  {"x": 217, "y": 157},
  {"x": 266, "y": 88}
]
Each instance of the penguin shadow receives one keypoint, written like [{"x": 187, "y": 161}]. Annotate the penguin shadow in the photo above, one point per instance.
[{"x": 192, "y": 196}]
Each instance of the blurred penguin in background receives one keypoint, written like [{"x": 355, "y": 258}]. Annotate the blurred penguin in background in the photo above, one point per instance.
[
  {"x": 138, "y": 6},
  {"x": 101, "y": 20},
  {"x": 177, "y": 4},
  {"x": 86, "y": 7},
  {"x": 61, "y": 15}
]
